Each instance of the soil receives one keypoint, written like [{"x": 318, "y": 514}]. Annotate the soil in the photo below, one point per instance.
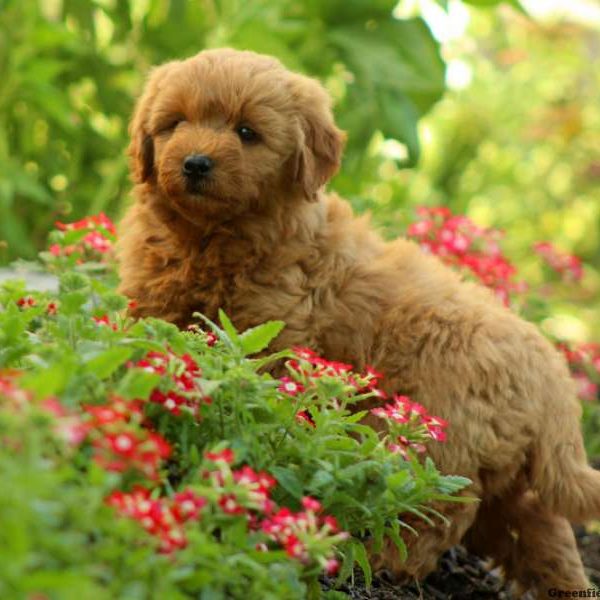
[{"x": 461, "y": 576}]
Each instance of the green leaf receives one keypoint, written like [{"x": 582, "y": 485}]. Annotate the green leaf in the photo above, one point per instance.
[
  {"x": 288, "y": 480},
  {"x": 137, "y": 384},
  {"x": 399, "y": 119},
  {"x": 71, "y": 302},
  {"x": 229, "y": 329},
  {"x": 258, "y": 338},
  {"x": 106, "y": 363},
  {"x": 361, "y": 557},
  {"x": 450, "y": 484},
  {"x": 347, "y": 564},
  {"x": 50, "y": 381},
  {"x": 393, "y": 532}
]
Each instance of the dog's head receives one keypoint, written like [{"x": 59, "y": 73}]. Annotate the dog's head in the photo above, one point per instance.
[{"x": 227, "y": 131}]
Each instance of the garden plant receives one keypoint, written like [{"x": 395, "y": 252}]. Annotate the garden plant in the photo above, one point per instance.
[{"x": 143, "y": 461}]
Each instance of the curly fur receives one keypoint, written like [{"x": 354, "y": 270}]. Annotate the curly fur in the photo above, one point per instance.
[{"x": 265, "y": 241}]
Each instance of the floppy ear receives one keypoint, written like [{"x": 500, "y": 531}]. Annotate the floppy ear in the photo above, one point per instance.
[
  {"x": 141, "y": 146},
  {"x": 320, "y": 142}
]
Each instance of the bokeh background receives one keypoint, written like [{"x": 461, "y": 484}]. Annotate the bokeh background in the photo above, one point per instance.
[{"x": 490, "y": 108}]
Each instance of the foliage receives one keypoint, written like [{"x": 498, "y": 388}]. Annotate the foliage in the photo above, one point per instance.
[
  {"x": 141, "y": 461},
  {"x": 63, "y": 117},
  {"x": 513, "y": 145}
]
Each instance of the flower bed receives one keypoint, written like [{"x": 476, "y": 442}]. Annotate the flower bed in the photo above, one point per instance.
[{"x": 142, "y": 461}]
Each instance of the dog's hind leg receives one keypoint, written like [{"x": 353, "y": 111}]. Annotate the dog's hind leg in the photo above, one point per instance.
[{"x": 536, "y": 548}]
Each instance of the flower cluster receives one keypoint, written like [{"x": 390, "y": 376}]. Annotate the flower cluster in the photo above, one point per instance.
[
  {"x": 104, "y": 321},
  {"x": 568, "y": 266},
  {"x": 68, "y": 425},
  {"x": 161, "y": 517},
  {"x": 311, "y": 367},
  {"x": 94, "y": 239},
  {"x": 410, "y": 425},
  {"x": 241, "y": 491},
  {"x": 93, "y": 222},
  {"x": 118, "y": 441},
  {"x": 210, "y": 337},
  {"x": 29, "y": 301},
  {"x": 460, "y": 243},
  {"x": 301, "y": 534},
  {"x": 305, "y": 536},
  {"x": 26, "y": 302},
  {"x": 11, "y": 392},
  {"x": 182, "y": 375},
  {"x": 584, "y": 362}
]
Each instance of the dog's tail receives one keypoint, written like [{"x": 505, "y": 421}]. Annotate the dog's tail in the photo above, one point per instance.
[{"x": 560, "y": 471}]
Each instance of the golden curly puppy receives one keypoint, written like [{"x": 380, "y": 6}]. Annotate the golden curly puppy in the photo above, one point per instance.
[{"x": 230, "y": 153}]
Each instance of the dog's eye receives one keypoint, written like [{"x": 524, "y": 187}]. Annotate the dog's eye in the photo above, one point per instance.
[
  {"x": 247, "y": 135},
  {"x": 171, "y": 125}
]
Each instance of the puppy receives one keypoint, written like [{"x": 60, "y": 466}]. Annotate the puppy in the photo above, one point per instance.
[{"x": 230, "y": 153}]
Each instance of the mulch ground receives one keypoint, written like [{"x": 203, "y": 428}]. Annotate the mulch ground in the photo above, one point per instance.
[{"x": 462, "y": 576}]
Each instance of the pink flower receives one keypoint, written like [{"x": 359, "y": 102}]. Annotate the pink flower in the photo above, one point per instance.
[
  {"x": 566, "y": 265},
  {"x": 332, "y": 566},
  {"x": 586, "y": 388},
  {"x": 96, "y": 241},
  {"x": 311, "y": 504},
  {"x": 68, "y": 426},
  {"x": 420, "y": 228},
  {"x": 457, "y": 241}
]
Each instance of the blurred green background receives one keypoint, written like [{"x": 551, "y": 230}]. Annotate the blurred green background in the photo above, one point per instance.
[{"x": 488, "y": 107}]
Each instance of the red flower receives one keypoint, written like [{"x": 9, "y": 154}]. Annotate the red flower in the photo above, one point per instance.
[
  {"x": 226, "y": 456},
  {"x": 304, "y": 417},
  {"x": 26, "y": 302},
  {"x": 90, "y": 222},
  {"x": 305, "y": 353},
  {"x": 187, "y": 505},
  {"x": 184, "y": 373},
  {"x": 311, "y": 504},
  {"x": 230, "y": 506},
  {"x": 290, "y": 387},
  {"x": 103, "y": 320},
  {"x": 159, "y": 517},
  {"x": 120, "y": 444}
]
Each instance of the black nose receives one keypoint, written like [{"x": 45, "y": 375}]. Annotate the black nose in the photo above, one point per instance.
[{"x": 197, "y": 166}]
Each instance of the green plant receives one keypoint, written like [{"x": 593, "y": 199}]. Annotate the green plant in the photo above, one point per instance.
[{"x": 145, "y": 462}]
